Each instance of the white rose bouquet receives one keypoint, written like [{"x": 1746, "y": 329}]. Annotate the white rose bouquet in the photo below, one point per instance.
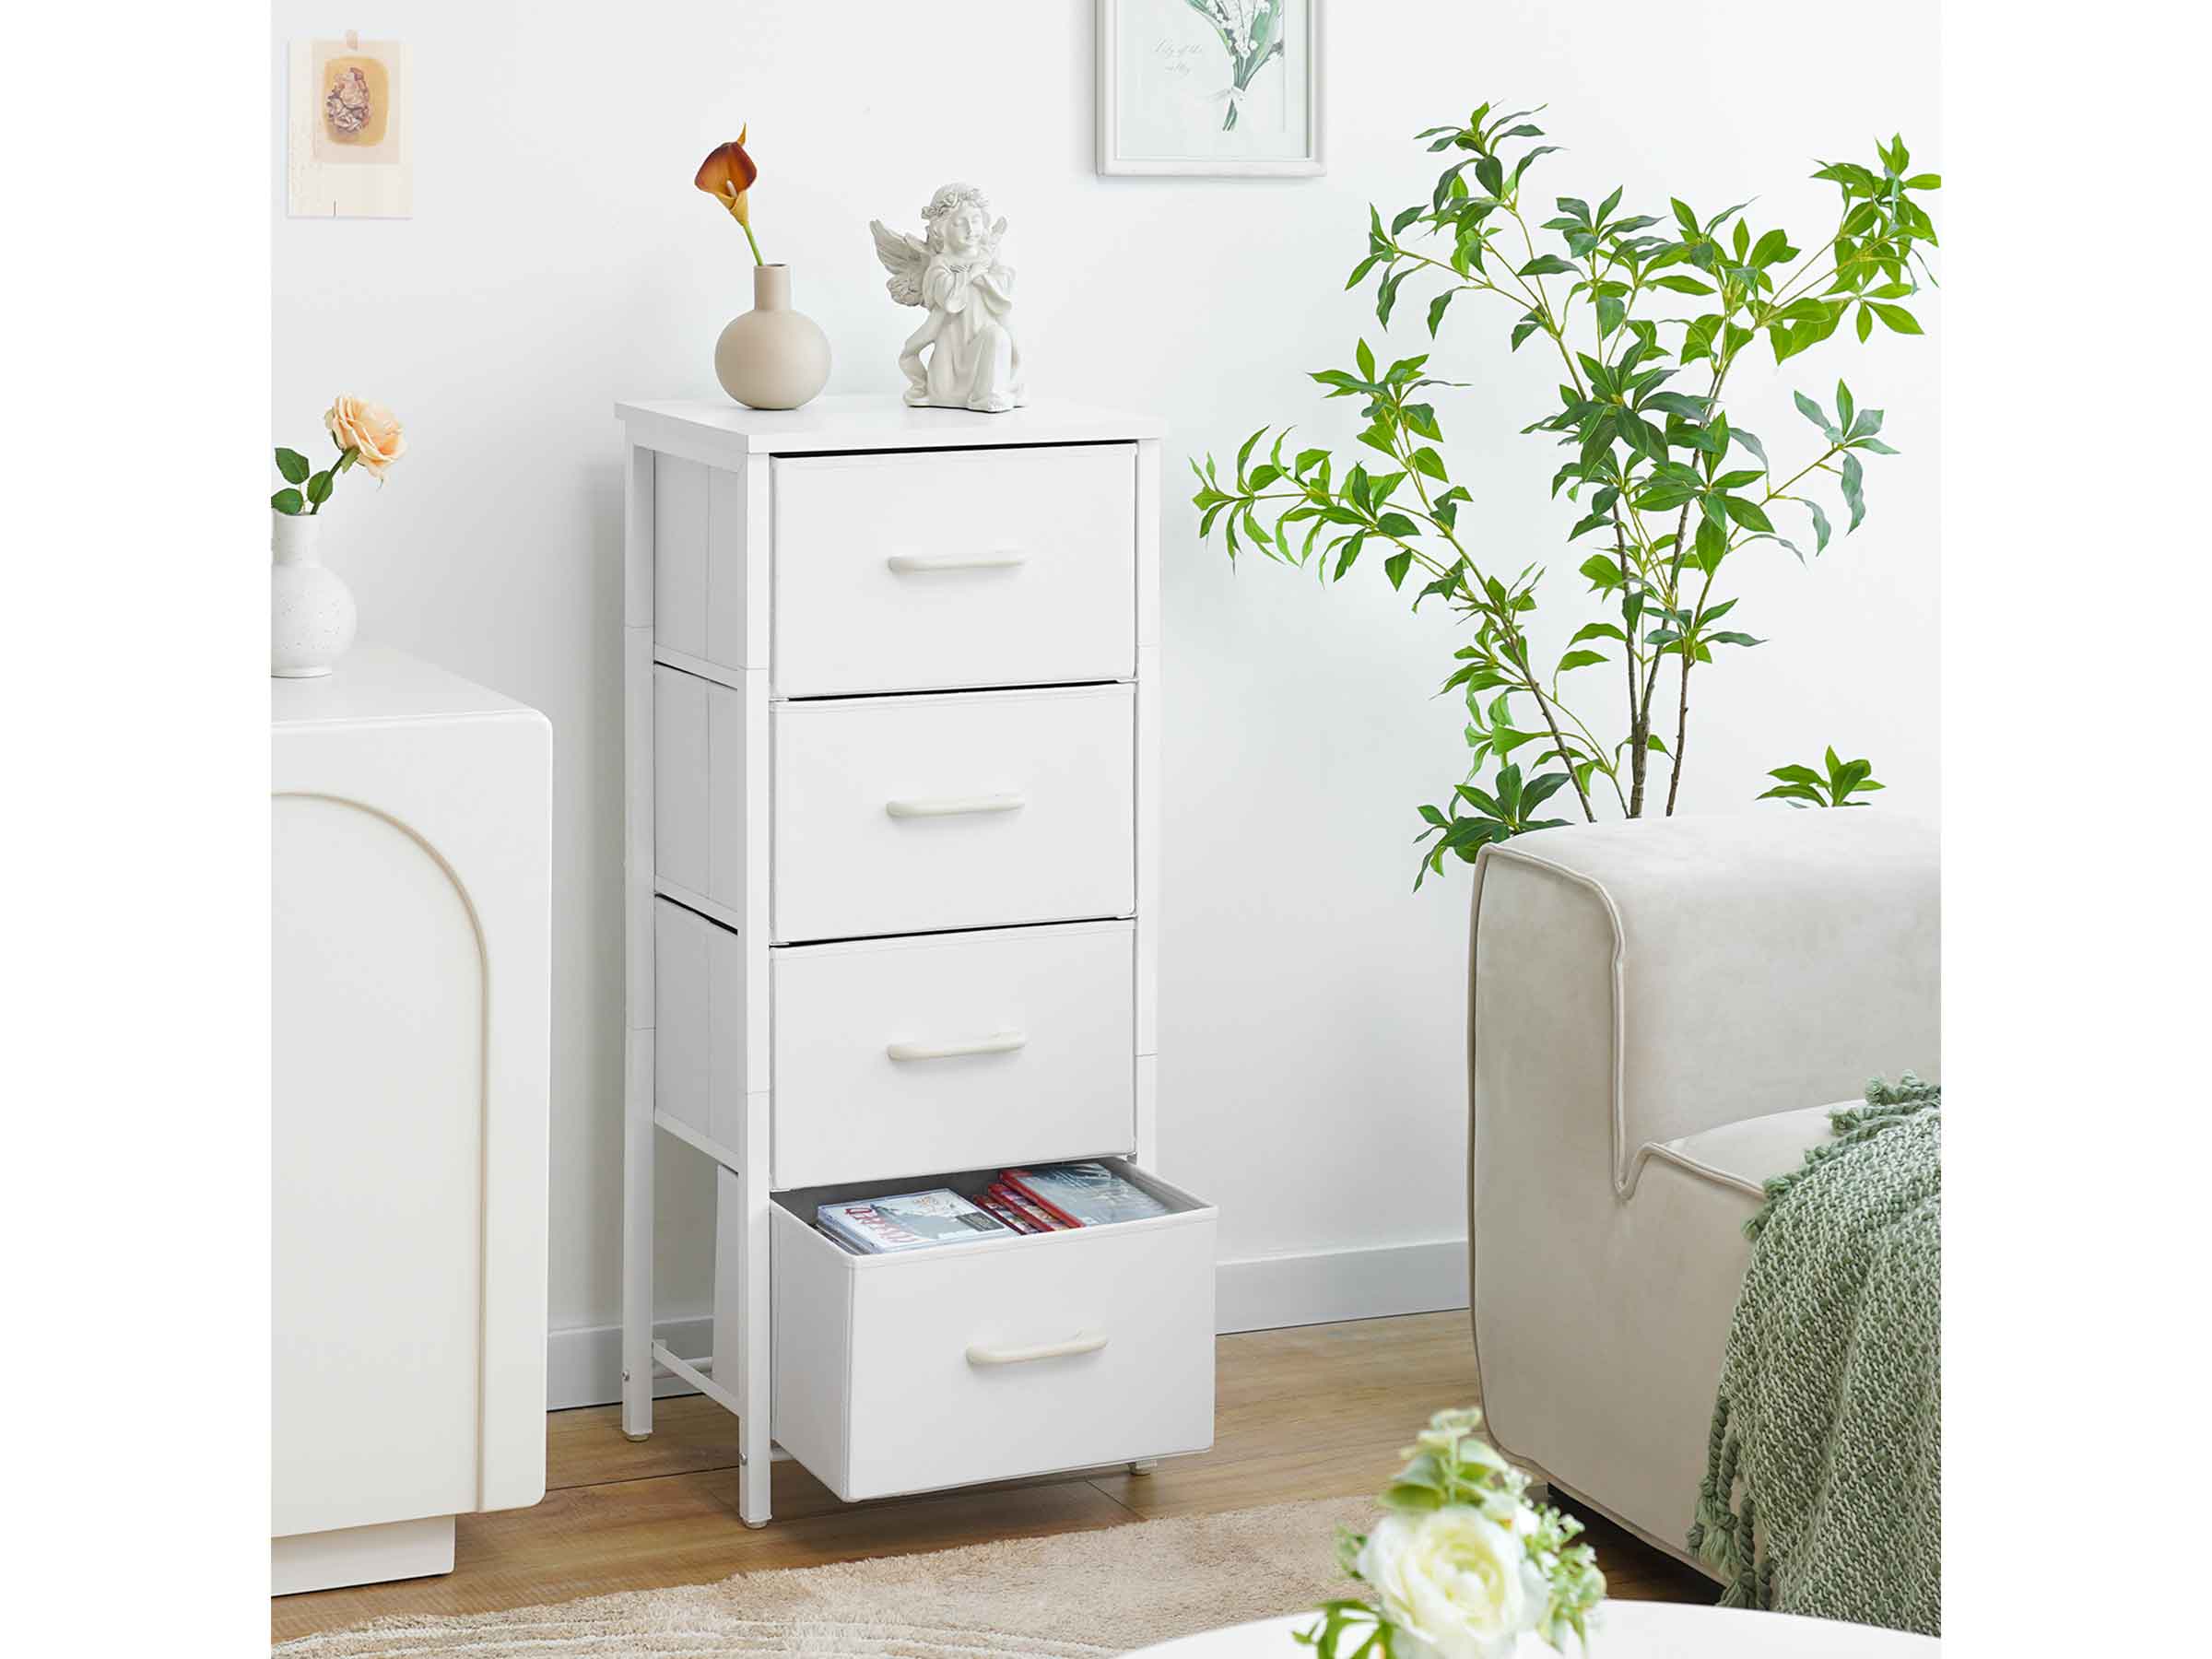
[{"x": 1463, "y": 1565}]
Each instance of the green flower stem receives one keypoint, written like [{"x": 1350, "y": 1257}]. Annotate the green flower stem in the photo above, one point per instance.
[
  {"x": 748, "y": 237},
  {"x": 347, "y": 457}
]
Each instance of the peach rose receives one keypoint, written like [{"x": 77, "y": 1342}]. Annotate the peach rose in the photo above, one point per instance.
[{"x": 369, "y": 428}]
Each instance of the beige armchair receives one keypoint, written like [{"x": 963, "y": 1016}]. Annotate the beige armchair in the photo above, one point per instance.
[{"x": 1662, "y": 1013}]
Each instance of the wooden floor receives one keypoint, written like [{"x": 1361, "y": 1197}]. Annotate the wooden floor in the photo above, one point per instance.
[{"x": 1318, "y": 1411}]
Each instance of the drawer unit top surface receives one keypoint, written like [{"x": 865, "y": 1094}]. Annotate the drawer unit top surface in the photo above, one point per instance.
[{"x": 716, "y": 430}]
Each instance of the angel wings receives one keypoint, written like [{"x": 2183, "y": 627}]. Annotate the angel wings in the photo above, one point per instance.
[{"x": 905, "y": 257}]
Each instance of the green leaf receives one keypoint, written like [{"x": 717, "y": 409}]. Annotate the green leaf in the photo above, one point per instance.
[
  {"x": 1748, "y": 513},
  {"x": 1821, "y": 529},
  {"x": 288, "y": 500},
  {"x": 1712, "y": 545},
  {"x": 1386, "y": 293},
  {"x": 318, "y": 489},
  {"x": 1366, "y": 360},
  {"x": 1601, "y": 572},
  {"x": 1597, "y": 630},
  {"x": 1898, "y": 319},
  {"x": 1245, "y": 455},
  {"x": 1579, "y": 659},
  {"x": 1547, "y": 265},
  {"x": 294, "y": 466},
  {"x": 1854, "y": 490},
  {"x": 1794, "y": 791},
  {"x": 1773, "y": 247}
]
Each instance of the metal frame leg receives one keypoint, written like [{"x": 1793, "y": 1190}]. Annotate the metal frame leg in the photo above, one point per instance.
[{"x": 637, "y": 1236}]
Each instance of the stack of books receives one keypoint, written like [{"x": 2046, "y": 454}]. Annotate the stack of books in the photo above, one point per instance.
[{"x": 1052, "y": 1198}]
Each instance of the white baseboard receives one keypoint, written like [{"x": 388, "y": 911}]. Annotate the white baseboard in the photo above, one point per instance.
[
  {"x": 1262, "y": 1293},
  {"x": 583, "y": 1364}
]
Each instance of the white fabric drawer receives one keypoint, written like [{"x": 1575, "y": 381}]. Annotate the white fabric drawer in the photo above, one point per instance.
[
  {"x": 1051, "y": 1011},
  {"x": 950, "y": 569},
  {"x": 916, "y": 813},
  {"x": 991, "y": 1361},
  {"x": 947, "y": 1052}
]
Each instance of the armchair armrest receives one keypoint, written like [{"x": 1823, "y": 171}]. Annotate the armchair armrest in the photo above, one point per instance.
[{"x": 1684, "y": 974}]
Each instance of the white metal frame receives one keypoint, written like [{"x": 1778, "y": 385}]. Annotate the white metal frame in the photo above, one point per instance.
[
  {"x": 1111, "y": 161},
  {"x": 738, "y": 443}
]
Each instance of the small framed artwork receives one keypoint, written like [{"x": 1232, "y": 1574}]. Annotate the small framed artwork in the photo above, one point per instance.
[
  {"x": 349, "y": 155},
  {"x": 1229, "y": 87}
]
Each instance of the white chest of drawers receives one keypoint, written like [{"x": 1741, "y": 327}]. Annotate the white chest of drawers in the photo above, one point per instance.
[{"x": 892, "y": 694}]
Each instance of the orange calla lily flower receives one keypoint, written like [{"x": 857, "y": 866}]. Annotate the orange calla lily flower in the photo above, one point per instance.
[{"x": 727, "y": 174}]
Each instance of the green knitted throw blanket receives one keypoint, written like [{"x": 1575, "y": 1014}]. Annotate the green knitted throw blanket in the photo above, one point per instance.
[{"x": 1823, "y": 1483}]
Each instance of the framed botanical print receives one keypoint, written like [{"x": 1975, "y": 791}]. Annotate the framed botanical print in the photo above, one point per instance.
[{"x": 1229, "y": 87}]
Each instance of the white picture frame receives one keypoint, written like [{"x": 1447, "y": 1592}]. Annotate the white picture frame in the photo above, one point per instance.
[{"x": 1168, "y": 71}]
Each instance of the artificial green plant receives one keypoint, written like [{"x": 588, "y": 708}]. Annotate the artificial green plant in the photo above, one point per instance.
[{"x": 1652, "y": 317}]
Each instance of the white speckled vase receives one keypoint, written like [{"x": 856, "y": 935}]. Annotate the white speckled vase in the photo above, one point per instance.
[
  {"x": 311, "y": 611},
  {"x": 773, "y": 357}
]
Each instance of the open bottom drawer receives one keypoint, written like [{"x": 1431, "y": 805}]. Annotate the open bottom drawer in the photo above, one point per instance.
[{"x": 991, "y": 1361}]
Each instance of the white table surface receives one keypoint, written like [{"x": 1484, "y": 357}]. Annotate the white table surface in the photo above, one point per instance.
[{"x": 1630, "y": 1630}]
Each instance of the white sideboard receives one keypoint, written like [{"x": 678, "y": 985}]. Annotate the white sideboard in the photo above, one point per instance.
[
  {"x": 411, "y": 852},
  {"x": 892, "y": 878}
]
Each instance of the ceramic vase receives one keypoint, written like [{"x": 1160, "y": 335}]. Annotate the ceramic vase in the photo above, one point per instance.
[
  {"x": 773, "y": 357},
  {"x": 311, "y": 610}
]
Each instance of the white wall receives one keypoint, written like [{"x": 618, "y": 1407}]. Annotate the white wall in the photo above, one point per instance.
[{"x": 559, "y": 257}]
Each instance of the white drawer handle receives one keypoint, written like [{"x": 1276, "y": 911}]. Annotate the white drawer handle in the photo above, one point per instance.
[
  {"x": 998, "y": 1043},
  {"x": 954, "y": 806},
  {"x": 980, "y": 1355},
  {"x": 920, "y": 564}
]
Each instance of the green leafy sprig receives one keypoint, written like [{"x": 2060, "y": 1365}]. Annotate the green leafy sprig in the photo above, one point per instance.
[
  {"x": 1665, "y": 484},
  {"x": 1802, "y": 786}
]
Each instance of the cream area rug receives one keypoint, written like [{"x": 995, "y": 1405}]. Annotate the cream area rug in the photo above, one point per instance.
[{"x": 1073, "y": 1595}]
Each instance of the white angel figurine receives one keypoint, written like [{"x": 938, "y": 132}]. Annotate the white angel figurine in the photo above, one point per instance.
[{"x": 953, "y": 271}]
